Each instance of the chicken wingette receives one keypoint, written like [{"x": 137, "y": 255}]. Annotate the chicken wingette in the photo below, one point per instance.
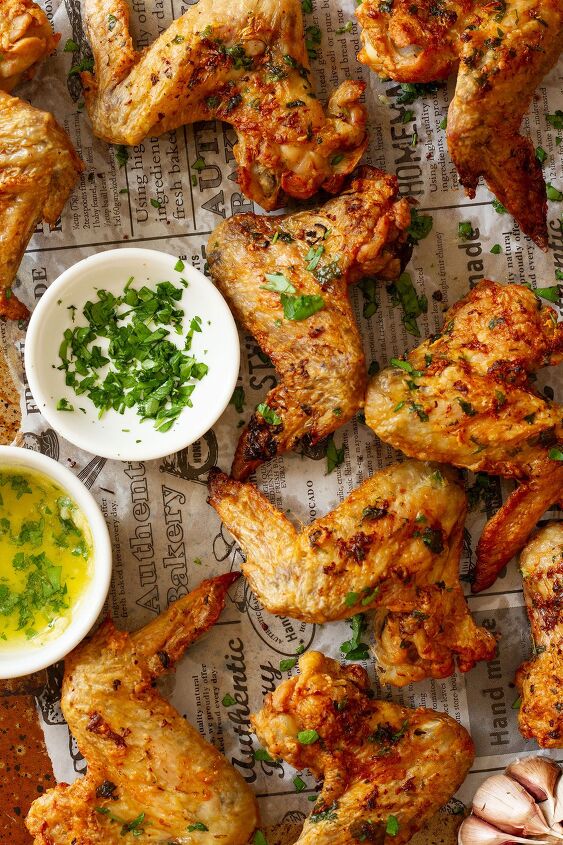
[
  {"x": 540, "y": 680},
  {"x": 394, "y": 544},
  {"x": 243, "y": 62},
  {"x": 38, "y": 164},
  {"x": 385, "y": 768},
  {"x": 465, "y": 397},
  {"x": 150, "y": 773},
  {"x": 286, "y": 280},
  {"x": 502, "y": 49}
]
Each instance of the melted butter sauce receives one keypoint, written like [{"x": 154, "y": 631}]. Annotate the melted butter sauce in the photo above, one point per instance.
[{"x": 45, "y": 558}]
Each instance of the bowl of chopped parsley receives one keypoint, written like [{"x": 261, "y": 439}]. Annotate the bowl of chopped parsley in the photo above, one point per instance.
[
  {"x": 132, "y": 354},
  {"x": 56, "y": 561}
]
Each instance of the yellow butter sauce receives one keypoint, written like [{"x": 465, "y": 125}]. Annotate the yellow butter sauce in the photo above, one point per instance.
[{"x": 45, "y": 558}]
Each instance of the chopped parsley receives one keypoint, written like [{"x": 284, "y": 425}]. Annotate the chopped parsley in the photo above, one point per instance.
[
  {"x": 72, "y": 47},
  {"x": 368, "y": 288},
  {"x": 135, "y": 826},
  {"x": 410, "y": 91},
  {"x": 432, "y": 539},
  {"x": 237, "y": 399},
  {"x": 498, "y": 206},
  {"x": 278, "y": 282},
  {"x": 262, "y": 755},
  {"x": 392, "y": 826},
  {"x": 307, "y": 737},
  {"x": 465, "y": 230},
  {"x": 197, "y": 826},
  {"x": 552, "y": 294},
  {"x": 353, "y": 649},
  {"x": 268, "y": 414},
  {"x": 299, "y": 783},
  {"x": 259, "y": 838},
  {"x": 541, "y": 154},
  {"x": 403, "y": 293},
  {"x": 466, "y": 407},
  {"x": 347, "y": 27},
  {"x": 420, "y": 226},
  {"x": 553, "y": 193},
  {"x": 287, "y": 664},
  {"x": 327, "y": 815},
  {"x": 301, "y": 307},
  {"x": 555, "y": 120},
  {"x": 228, "y": 700},
  {"x": 496, "y": 249},
  {"x": 334, "y": 455},
  {"x": 556, "y": 454},
  {"x": 121, "y": 155}
]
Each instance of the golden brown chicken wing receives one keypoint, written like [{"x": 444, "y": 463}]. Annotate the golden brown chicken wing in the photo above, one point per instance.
[
  {"x": 150, "y": 773},
  {"x": 286, "y": 280},
  {"x": 386, "y": 769},
  {"x": 394, "y": 544},
  {"x": 38, "y": 170},
  {"x": 504, "y": 49},
  {"x": 244, "y": 62},
  {"x": 465, "y": 397},
  {"x": 540, "y": 680},
  {"x": 26, "y": 38}
]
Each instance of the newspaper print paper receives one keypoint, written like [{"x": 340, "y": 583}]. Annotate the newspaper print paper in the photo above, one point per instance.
[{"x": 165, "y": 537}]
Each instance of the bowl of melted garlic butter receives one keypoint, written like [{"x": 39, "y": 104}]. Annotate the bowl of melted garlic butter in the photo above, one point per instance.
[{"x": 55, "y": 561}]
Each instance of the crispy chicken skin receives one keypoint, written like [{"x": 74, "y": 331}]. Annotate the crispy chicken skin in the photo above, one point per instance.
[
  {"x": 377, "y": 759},
  {"x": 319, "y": 360},
  {"x": 26, "y": 38},
  {"x": 393, "y": 544},
  {"x": 540, "y": 680},
  {"x": 142, "y": 756},
  {"x": 465, "y": 397},
  {"x": 38, "y": 170},
  {"x": 504, "y": 49},
  {"x": 244, "y": 62}
]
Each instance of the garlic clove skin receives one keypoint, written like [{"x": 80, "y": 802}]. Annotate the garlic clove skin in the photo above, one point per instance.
[
  {"x": 538, "y": 776},
  {"x": 504, "y": 803},
  {"x": 475, "y": 831}
]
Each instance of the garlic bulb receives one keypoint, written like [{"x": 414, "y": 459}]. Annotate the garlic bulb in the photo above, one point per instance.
[
  {"x": 526, "y": 801},
  {"x": 538, "y": 776},
  {"x": 474, "y": 831}
]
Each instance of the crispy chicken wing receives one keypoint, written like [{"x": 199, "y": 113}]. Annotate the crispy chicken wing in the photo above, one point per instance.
[
  {"x": 540, "y": 680},
  {"x": 394, "y": 544},
  {"x": 26, "y": 37},
  {"x": 149, "y": 770},
  {"x": 504, "y": 49},
  {"x": 386, "y": 768},
  {"x": 244, "y": 62},
  {"x": 38, "y": 170},
  {"x": 270, "y": 269},
  {"x": 465, "y": 397}
]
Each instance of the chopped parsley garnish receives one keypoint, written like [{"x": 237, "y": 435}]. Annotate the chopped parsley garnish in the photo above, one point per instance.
[
  {"x": 420, "y": 226},
  {"x": 432, "y": 539},
  {"x": 262, "y": 755},
  {"x": 83, "y": 64},
  {"x": 553, "y": 193},
  {"x": 373, "y": 513},
  {"x": 368, "y": 288},
  {"x": 328, "y": 815},
  {"x": 268, "y": 414},
  {"x": 301, "y": 307},
  {"x": 259, "y": 838},
  {"x": 228, "y": 700},
  {"x": 156, "y": 203},
  {"x": 299, "y": 783},
  {"x": 392, "y": 826},
  {"x": 498, "y": 206},
  {"x": 134, "y": 826},
  {"x": 347, "y": 27},
  {"x": 197, "y": 826},
  {"x": 555, "y": 120},
  {"x": 307, "y": 737},
  {"x": 410, "y": 91},
  {"x": 313, "y": 257},
  {"x": 406, "y": 366},
  {"x": 552, "y": 294},
  {"x": 556, "y": 454},
  {"x": 351, "y": 599},
  {"x": 312, "y": 40},
  {"x": 121, "y": 155},
  {"x": 307, "y": 6},
  {"x": 541, "y": 154},
  {"x": 64, "y": 405},
  {"x": 403, "y": 293},
  {"x": 278, "y": 283},
  {"x": 288, "y": 663},
  {"x": 334, "y": 455},
  {"x": 465, "y": 230},
  {"x": 353, "y": 649},
  {"x": 444, "y": 123},
  {"x": 237, "y": 399},
  {"x": 72, "y": 47},
  {"x": 146, "y": 371},
  {"x": 467, "y": 407},
  {"x": 112, "y": 22},
  {"x": 496, "y": 249}
]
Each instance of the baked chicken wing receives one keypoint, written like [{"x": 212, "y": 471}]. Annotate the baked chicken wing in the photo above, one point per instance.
[
  {"x": 244, "y": 62},
  {"x": 26, "y": 38},
  {"x": 38, "y": 170},
  {"x": 540, "y": 680},
  {"x": 150, "y": 773},
  {"x": 386, "y": 768},
  {"x": 286, "y": 280},
  {"x": 393, "y": 544},
  {"x": 465, "y": 397},
  {"x": 503, "y": 49}
]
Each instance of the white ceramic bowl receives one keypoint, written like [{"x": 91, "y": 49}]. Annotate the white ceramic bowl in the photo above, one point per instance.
[
  {"x": 26, "y": 659},
  {"x": 116, "y": 435}
]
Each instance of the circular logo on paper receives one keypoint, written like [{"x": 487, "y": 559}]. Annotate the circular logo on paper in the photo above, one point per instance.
[
  {"x": 194, "y": 462},
  {"x": 45, "y": 442},
  {"x": 282, "y": 634}
]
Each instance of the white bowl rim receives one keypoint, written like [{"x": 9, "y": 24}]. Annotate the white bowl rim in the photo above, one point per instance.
[
  {"x": 15, "y": 664},
  {"x": 169, "y": 442}
]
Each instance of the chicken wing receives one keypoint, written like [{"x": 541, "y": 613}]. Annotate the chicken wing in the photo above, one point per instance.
[
  {"x": 38, "y": 170},
  {"x": 539, "y": 680},
  {"x": 26, "y": 38},
  {"x": 394, "y": 544},
  {"x": 465, "y": 397},
  {"x": 504, "y": 49},
  {"x": 243, "y": 62},
  {"x": 386, "y": 768},
  {"x": 149, "y": 771},
  {"x": 276, "y": 273}
]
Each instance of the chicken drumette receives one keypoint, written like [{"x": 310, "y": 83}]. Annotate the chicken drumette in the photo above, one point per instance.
[
  {"x": 540, "y": 680},
  {"x": 393, "y": 544},
  {"x": 243, "y": 62},
  {"x": 386, "y": 769},
  {"x": 150, "y": 773},
  {"x": 286, "y": 280},
  {"x": 504, "y": 48},
  {"x": 38, "y": 164},
  {"x": 465, "y": 397}
]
